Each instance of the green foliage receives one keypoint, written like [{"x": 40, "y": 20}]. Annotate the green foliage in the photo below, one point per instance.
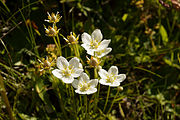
[{"x": 145, "y": 41}]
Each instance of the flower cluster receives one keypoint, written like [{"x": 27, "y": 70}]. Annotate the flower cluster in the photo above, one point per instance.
[
  {"x": 72, "y": 72},
  {"x": 52, "y": 31}
]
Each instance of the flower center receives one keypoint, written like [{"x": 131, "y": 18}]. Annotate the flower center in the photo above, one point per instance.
[
  {"x": 68, "y": 71},
  {"x": 94, "y": 44},
  {"x": 84, "y": 87},
  {"x": 110, "y": 78}
]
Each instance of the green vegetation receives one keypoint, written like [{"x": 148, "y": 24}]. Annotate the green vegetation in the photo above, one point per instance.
[{"x": 145, "y": 42}]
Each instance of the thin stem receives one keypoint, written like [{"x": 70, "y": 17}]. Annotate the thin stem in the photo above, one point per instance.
[
  {"x": 60, "y": 51},
  {"x": 56, "y": 45},
  {"x": 85, "y": 102},
  {"x": 113, "y": 101},
  {"x": 60, "y": 98},
  {"x": 76, "y": 50},
  {"x": 6, "y": 101},
  {"x": 107, "y": 98},
  {"x": 97, "y": 94}
]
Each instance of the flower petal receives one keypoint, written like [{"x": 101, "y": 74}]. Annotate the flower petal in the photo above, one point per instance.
[
  {"x": 62, "y": 62},
  {"x": 104, "y": 44},
  {"x": 90, "y": 52},
  {"x": 113, "y": 70},
  {"x": 74, "y": 62},
  {"x": 57, "y": 73},
  {"x": 103, "y": 82},
  {"x": 91, "y": 91},
  {"x": 102, "y": 53},
  {"x": 67, "y": 80},
  {"x": 86, "y": 46},
  {"x": 97, "y": 35},
  {"x": 93, "y": 82},
  {"x": 86, "y": 38},
  {"x": 103, "y": 73},
  {"x": 79, "y": 92},
  {"x": 77, "y": 72},
  {"x": 115, "y": 84},
  {"x": 84, "y": 77},
  {"x": 75, "y": 83},
  {"x": 121, "y": 77}
]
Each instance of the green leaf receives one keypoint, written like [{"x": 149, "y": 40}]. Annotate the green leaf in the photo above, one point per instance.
[{"x": 164, "y": 34}]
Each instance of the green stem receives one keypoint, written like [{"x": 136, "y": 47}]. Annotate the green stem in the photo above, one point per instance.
[
  {"x": 97, "y": 94},
  {"x": 107, "y": 98},
  {"x": 59, "y": 44},
  {"x": 73, "y": 101},
  {"x": 60, "y": 98},
  {"x": 6, "y": 101},
  {"x": 76, "y": 50},
  {"x": 113, "y": 102},
  {"x": 85, "y": 102}
]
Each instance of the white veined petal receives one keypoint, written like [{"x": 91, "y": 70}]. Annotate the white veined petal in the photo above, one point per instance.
[
  {"x": 75, "y": 83},
  {"x": 62, "y": 62},
  {"x": 103, "y": 73},
  {"x": 57, "y": 73},
  {"x": 103, "y": 82},
  {"x": 90, "y": 52},
  {"x": 77, "y": 72},
  {"x": 97, "y": 35},
  {"x": 91, "y": 90},
  {"x": 86, "y": 38},
  {"x": 86, "y": 46},
  {"x": 68, "y": 79},
  {"x": 74, "y": 62},
  {"x": 79, "y": 92},
  {"x": 84, "y": 77},
  {"x": 102, "y": 53},
  {"x": 121, "y": 77},
  {"x": 104, "y": 44},
  {"x": 80, "y": 66},
  {"x": 113, "y": 70},
  {"x": 93, "y": 82},
  {"x": 115, "y": 84}
]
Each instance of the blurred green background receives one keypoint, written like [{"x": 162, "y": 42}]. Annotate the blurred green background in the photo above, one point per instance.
[{"x": 145, "y": 38}]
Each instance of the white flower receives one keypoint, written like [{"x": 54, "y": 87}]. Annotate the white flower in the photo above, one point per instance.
[
  {"x": 67, "y": 70},
  {"x": 93, "y": 43},
  {"x": 84, "y": 85},
  {"x": 111, "y": 78}
]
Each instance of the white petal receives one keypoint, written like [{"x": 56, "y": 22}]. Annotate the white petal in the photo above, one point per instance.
[
  {"x": 103, "y": 82},
  {"x": 121, "y": 77},
  {"x": 62, "y": 62},
  {"x": 75, "y": 83},
  {"x": 91, "y": 91},
  {"x": 97, "y": 35},
  {"x": 93, "y": 82},
  {"x": 79, "y": 92},
  {"x": 103, "y": 73},
  {"x": 86, "y": 46},
  {"x": 115, "y": 84},
  {"x": 57, "y": 73},
  {"x": 80, "y": 66},
  {"x": 84, "y": 77},
  {"x": 74, "y": 62},
  {"x": 113, "y": 70},
  {"x": 77, "y": 72},
  {"x": 67, "y": 80},
  {"x": 90, "y": 52},
  {"x": 86, "y": 38},
  {"x": 102, "y": 53},
  {"x": 104, "y": 44}
]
